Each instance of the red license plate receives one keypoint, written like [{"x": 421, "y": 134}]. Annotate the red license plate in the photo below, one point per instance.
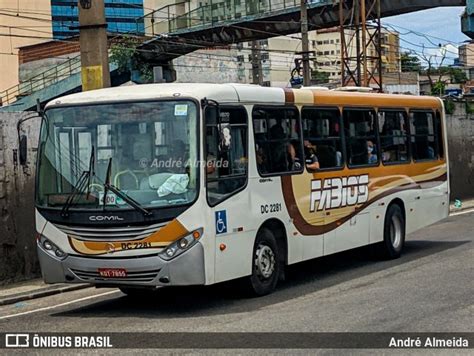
[{"x": 112, "y": 272}]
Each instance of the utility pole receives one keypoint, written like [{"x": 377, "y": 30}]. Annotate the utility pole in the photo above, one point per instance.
[
  {"x": 305, "y": 44},
  {"x": 361, "y": 43},
  {"x": 95, "y": 71},
  {"x": 257, "y": 72}
]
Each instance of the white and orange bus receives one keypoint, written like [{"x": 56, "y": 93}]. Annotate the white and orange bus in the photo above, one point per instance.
[{"x": 195, "y": 184}]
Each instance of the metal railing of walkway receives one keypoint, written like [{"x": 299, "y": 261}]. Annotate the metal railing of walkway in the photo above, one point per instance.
[{"x": 41, "y": 80}]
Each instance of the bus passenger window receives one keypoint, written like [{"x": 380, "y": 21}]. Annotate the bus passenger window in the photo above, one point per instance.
[
  {"x": 278, "y": 144},
  {"x": 393, "y": 131},
  {"x": 322, "y": 138},
  {"x": 226, "y": 152},
  {"x": 423, "y": 140},
  {"x": 361, "y": 139},
  {"x": 439, "y": 134}
]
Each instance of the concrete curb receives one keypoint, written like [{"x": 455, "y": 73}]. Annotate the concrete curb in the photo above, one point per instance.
[{"x": 42, "y": 292}]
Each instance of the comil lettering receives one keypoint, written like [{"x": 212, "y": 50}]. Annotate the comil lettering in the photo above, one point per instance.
[{"x": 339, "y": 192}]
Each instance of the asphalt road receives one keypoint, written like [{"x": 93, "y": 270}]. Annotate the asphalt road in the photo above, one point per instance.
[{"x": 429, "y": 289}]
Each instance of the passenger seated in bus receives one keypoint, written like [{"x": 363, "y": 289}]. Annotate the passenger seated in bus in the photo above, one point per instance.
[
  {"x": 261, "y": 159},
  {"x": 294, "y": 162},
  {"x": 311, "y": 160},
  {"x": 279, "y": 150},
  {"x": 371, "y": 156}
]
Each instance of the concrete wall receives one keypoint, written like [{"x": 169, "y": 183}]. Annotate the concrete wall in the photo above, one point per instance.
[
  {"x": 17, "y": 231},
  {"x": 460, "y": 127}
]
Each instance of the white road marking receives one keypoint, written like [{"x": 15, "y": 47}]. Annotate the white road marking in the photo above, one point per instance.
[
  {"x": 462, "y": 212},
  {"x": 58, "y": 305}
]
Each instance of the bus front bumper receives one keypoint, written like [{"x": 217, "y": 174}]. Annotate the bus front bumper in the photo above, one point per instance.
[{"x": 145, "y": 271}]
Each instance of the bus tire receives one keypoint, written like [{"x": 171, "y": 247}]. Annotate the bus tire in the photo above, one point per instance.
[
  {"x": 393, "y": 233},
  {"x": 266, "y": 265}
]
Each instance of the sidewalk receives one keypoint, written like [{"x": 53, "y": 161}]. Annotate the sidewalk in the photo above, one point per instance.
[
  {"x": 465, "y": 205},
  {"x": 36, "y": 288}
]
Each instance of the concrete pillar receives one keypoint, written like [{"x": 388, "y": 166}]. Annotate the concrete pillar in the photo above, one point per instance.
[{"x": 93, "y": 41}]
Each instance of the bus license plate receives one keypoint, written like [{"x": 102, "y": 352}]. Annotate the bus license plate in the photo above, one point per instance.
[{"x": 112, "y": 272}]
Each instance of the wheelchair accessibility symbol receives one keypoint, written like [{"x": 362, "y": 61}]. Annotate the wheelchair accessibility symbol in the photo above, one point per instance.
[{"x": 221, "y": 222}]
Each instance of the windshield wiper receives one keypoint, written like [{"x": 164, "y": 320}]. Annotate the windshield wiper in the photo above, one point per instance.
[
  {"x": 82, "y": 182},
  {"x": 129, "y": 200}
]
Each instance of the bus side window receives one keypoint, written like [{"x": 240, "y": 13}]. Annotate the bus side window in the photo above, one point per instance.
[
  {"x": 393, "y": 131},
  {"x": 423, "y": 137},
  {"x": 439, "y": 134},
  {"x": 361, "y": 137},
  {"x": 226, "y": 153},
  {"x": 278, "y": 143},
  {"x": 322, "y": 135}
]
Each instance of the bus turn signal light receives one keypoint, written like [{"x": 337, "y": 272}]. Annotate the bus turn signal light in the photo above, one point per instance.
[{"x": 222, "y": 247}]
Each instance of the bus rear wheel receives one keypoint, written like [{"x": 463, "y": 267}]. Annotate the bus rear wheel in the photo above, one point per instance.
[
  {"x": 266, "y": 264},
  {"x": 394, "y": 233}
]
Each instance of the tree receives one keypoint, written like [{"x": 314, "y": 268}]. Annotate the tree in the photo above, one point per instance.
[
  {"x": 124, "y": 55},
  {"x": 435, "y": 70},
  {"x": 410, "y": 63},
  {"x": 318, "y": 77},
  {"x": 458, "y": 76}
]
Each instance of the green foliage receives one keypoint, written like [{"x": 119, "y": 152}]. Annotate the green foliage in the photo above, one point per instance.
[
  {"x": 124, "y": 54},
  {"x": 318, "y": 77},
  {"x": 438, "y": 88},
  {"x": 469, "y": 107},
  {"x": 410, "y": 63},
  {"x": 449, "y": 106},
  {"x": 458, "y": 76}
]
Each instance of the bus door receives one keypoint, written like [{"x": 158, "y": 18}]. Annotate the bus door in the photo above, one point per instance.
[{"x": 226, "y": 145}]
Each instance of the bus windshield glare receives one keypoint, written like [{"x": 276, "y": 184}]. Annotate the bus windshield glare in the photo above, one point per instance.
[{"x": 146, "y": 150}]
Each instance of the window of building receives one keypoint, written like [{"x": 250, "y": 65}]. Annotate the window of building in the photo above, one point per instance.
[
  {"x": 393, "y": 131},
  {"x": 278, "y": 143},
  {"x": 423, "y": 135},
  {"x": 322, "y": 135},
  {"x": 226, "y": 152},
  {"x": 361, "y": 137}
]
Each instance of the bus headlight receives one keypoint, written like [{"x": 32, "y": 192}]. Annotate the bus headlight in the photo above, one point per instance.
[
  {"x": 51, "y": 248},
  {"x": 177, "y": 247}
]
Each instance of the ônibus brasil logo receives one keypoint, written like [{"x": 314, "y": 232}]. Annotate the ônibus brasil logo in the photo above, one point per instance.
[{"x": 338, "y": 192}]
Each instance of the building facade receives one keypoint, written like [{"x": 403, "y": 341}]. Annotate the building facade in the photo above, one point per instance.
[
  {"x": 23, "y": 23},
  {"x": 466, "y": 55},
  {"x": 326, "y": 44},
  {"x": 121, "y": 17},
  {"x": 26, "y": 23}
]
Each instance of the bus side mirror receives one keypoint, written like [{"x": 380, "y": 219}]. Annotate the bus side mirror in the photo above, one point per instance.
[{"x": 23, "y": 150}]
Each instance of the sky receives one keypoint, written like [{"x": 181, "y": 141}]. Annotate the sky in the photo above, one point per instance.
[{"x": 440, "y": 25}]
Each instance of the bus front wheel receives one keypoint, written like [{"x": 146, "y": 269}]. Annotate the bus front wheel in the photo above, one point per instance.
[
  {"x": 265, "y": 264},
  {"x": 393, "y": 234}
]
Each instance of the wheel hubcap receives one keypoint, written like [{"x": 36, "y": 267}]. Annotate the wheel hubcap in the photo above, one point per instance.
[
  {"x": 396, "y": 232},
  {"x": 264, "y": 261}
]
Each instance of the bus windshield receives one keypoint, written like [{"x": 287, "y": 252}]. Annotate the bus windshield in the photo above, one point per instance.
[{"x": 146, "y": 150}]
